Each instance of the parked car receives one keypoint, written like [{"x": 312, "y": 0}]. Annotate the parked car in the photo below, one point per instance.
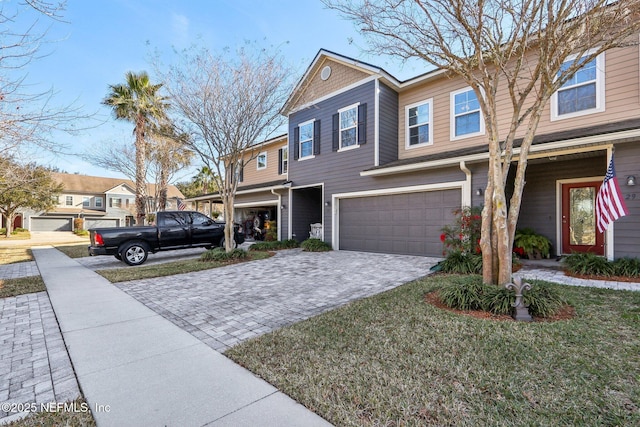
[{"x": 173, "y": 230}]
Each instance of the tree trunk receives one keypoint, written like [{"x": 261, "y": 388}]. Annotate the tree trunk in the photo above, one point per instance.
[
  {"x": 162, "y": 202},
  {"x": 9, "y": 217},
  {"x": 227, "y": 202},
  {"x": 141, "y": 182}
]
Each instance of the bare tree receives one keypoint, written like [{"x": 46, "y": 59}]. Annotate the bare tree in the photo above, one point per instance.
[
  {"x": 227, "y": 103},
  {"x": 528, "y": 48}
]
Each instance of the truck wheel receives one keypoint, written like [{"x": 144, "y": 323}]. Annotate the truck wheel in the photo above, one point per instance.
[
  {"x": 134, "y": 253},
  {"x": 233, "y": 245}
]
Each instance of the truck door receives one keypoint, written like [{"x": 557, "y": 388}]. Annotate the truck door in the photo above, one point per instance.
[
  {"x": 204, "y": 230},
  {"x": 173, "y": 229}
]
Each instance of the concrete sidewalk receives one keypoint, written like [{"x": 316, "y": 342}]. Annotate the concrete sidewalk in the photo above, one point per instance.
[{"x": 136, "y": 367}]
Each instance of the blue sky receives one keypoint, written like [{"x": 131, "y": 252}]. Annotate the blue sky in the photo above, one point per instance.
[{"x": 103, "y": 39}]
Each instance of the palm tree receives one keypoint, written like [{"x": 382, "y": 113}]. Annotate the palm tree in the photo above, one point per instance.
[
  {"x": 138, "y": 101},
  {"x": 204, "y": 179}
]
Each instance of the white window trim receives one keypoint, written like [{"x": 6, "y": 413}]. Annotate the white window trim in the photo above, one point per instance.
[
  {"x": 452, "y": 117},
  {"x": 600, "y": 92},
  {"x": 340, "y": 111},
  {"x": 258, "y": 167},
  {"x": 98, "y": 199},
  {"x": 283, "y": 148},
  {"x": 66, "y": 199},
  {"x": 311, "y": 156},
  {"x": 430, "y": 123},
  {"x": 88, "y": 200}
]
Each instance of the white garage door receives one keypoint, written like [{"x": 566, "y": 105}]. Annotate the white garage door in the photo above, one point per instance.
[
  {"x": 42, "y": 223},
  {"x": 409, "y": 223}
]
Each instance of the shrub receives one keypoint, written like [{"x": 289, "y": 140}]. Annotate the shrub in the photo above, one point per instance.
[
  {"x": 498, "y": 300},
  {"x": 464, "y": 235},
  {"x": 80, "y": 232},
  {"x": 220, "y": 255},
  {"x": 627, "y": 267},
  {"x": 274, "y": 246},
  {"x": 543, "y": 300},
  {"x": 469, "y": 293},
  {"x": 3, "y": 231},
  {"x": 533, "y": 244},
  {"x": 465, "y": 294},
  {"x": 78, "y": 224},
  {"x": 588, "y": 264},
  {"x": 461, "y": 263},
  {"x": 315, "y": 245}
]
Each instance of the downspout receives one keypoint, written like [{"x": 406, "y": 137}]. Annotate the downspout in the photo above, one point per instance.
[
  {"x": 466, "y": 187},
  {"x": 278, "y": 213}
]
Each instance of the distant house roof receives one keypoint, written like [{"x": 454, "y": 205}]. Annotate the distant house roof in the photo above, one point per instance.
[{"x": 74, "y": 183}]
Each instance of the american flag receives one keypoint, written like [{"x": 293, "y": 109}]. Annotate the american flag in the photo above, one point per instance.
[
  {"x": 181, "y": 205},
  {"x": 609, "y": 202}
]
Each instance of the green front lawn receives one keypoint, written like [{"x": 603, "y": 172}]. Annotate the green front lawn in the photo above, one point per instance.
[
  {"x": 394, "y": 359},
  {"x": 74, "y": 251}
]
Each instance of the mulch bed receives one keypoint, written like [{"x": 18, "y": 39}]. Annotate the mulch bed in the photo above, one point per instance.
[
  {"x": 565, "y": 313},
  {"x": 610, "y": 278}
]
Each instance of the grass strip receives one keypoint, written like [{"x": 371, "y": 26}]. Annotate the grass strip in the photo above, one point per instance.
[
  {"x": 15, "y": 254},
  {"x": 21, "y": 286},
  {"x": 74, "y": 251},
  {"x": 394, "y": 359},
  {"x": 77, "y": 415},
  {"x": 170, "y": 268}
]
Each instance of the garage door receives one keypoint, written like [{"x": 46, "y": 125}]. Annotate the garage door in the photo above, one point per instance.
[
  {"x": 51, "y": 224},
  {"x": 100, "y": 223},
  {"x": 409, "y": 223}
]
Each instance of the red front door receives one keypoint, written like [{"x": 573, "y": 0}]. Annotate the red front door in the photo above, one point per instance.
[{"x": 579, "y": 231}]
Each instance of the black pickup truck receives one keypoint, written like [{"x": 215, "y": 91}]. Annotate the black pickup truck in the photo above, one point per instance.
[{"x": 174, "y": 230}]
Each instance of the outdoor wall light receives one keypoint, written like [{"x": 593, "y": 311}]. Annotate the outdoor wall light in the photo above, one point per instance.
[
  {"x": 631, "y": 180},
  {"x": 479, "y": 192},
  {"x": 283, "y": 207},
  {"x": 327, "y": 204}
]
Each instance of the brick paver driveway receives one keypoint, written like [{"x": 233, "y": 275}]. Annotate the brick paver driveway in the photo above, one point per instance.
[{"x": 225, "y": 306}]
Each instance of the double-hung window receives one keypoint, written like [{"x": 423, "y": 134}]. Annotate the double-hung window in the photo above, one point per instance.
[
  {"x": 419, "y": 118},
  {"x": 466, "y": 117},
  {"x": 98, "y": 202},
  {"x": 68, "y": 201},
  {"x": 262, "y": 161},
  {"x": 86, "y": 202},
  {"x": 582, "y": 93},
  {"x": 306, "y": 139},
  {"x": 348, "y": 126}
]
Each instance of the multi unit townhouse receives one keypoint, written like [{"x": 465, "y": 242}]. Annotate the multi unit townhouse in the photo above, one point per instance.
[
  {"x": 102, "y": 202},
  {"x": 382, "y": 164}
]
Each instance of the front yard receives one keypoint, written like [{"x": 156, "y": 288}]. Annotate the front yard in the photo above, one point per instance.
[{"x": 394, "y": 359}]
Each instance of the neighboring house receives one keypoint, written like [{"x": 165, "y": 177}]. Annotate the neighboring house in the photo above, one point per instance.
[
  {"x": 261, "y": 188},
  {"x": 102, "y": 202},
  {"x": 382, "y": 163}
]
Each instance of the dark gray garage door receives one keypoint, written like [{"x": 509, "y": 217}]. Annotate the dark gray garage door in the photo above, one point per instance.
[
  {"x": 407, "y": 223},
  {"x": 51, "y": 224},
  {"x": 100, "y": 223}
]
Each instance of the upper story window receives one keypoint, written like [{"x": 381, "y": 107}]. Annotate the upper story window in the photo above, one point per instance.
[
  {"x": 68, "y": 201},
  {"x": 262, "y": 161},
  {"x": 466, "y": 117},
  {"x": 116, "y": 202},
  {"x": 348, "y": 126},
  {"x": 98, "y": 202},
  {"x": 306, "y": 139},
  {"x": 583, "y": 93},
  {"x": 283, "y": 160},
  {"x": 86, "y": 202},
  {"x": 419, "y": 118}
]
